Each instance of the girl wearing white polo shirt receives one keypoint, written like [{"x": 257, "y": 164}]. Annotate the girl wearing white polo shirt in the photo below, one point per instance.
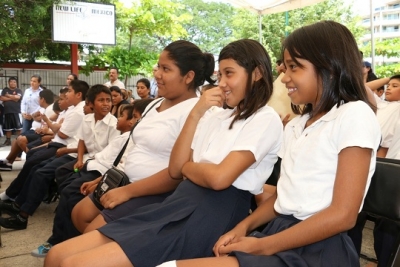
[
  {"x": 328, "y": 158},
  {"x": 225, "y": 156}
]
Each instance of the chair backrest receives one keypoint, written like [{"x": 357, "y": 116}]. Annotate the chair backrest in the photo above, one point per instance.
[{"x": 383, "y": 197}]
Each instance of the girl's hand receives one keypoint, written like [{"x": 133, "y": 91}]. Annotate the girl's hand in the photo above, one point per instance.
[
  {"x": 212, "y": 97},
  {"x": 114, "y": 197},
  {"x": 88, "y": 186},
  {"x": 231, "y": 237},
  {"x": 251, "y": 245}
]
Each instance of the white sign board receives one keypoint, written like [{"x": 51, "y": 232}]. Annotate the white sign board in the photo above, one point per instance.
[{"x": 81, "y": 22}]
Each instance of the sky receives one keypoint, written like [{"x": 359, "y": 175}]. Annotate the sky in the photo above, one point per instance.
[{"x": 361, "y": 7}]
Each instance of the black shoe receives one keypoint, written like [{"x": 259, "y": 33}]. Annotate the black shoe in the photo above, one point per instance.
[
  {"x": 9, "y": 208},
  {"x": 5, "y": 166},
  {"x": 14, "y": 222}
]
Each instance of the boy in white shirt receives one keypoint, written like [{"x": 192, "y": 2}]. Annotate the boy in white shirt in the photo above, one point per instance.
[
  {"x": 73, "y": 118},
  {"x": 46, "y": 98},
  {"x": 70, "y": 195},
  {"x": 96, "y": 131},
  {"x": 388, "y": 114}
]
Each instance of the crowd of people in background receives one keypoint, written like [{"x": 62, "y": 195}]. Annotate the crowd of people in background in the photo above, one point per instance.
[
  {"x": 200, "y": 154},
  {"x": 18, "y": 108}
]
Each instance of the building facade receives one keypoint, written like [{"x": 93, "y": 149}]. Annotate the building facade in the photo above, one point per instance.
[{"x": 386, "y": 24}]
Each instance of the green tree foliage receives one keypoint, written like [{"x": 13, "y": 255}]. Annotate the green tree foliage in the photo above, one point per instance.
[
  {"x": 129, "y": 62},
  {"x": 211, "y": 25},
  {"x": 275, "y": 27},
  {"x": 385, "y": 49},
  {"x": 25, "y": 31}
]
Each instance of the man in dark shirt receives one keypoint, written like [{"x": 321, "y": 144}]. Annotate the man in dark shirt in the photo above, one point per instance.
[{"x": 11, "y": 97}]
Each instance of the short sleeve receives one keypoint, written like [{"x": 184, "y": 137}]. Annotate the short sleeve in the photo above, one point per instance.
[
  {"x": 358, "y": 127},
  {"x": 71, "y": 123},
  {"x": 201, "y": 122},
  {"x": 261, "y": 140}
]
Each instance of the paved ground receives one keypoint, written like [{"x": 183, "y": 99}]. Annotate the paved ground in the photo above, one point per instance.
[{"x": 17, "y": 245}]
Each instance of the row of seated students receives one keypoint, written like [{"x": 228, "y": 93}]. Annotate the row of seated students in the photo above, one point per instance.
[
  {"x": 97, "y": 130},
  {"x": 227, "y": 155},
  {"x": 39, "y": 133}
]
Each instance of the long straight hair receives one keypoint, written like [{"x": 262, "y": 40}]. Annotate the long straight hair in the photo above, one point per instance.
[
  {"x": 333, "y": 51},
  {"x": 250, "y": 55}
]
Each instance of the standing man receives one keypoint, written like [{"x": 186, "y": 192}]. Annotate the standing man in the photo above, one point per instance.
[
  {"x": 11, "y": 97},
  {"x": 113, "y": 74},
  {"x": 30, "y": 102},
  {"x": 153, "y": 84}
]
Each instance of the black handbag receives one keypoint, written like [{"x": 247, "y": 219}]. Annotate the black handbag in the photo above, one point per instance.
[{"x": 114, "y": 177}]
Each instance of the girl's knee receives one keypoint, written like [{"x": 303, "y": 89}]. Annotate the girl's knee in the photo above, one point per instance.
[
  {"x": 53, "y": 257},
  {"x": 68, "y": 262}
]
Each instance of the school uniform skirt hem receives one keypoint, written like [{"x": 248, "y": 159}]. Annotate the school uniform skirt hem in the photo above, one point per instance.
[
  {"x": 185, "y": 225},
  {"x": 336, "y": 251}
]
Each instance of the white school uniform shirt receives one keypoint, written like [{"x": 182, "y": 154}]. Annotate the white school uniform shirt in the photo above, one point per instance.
[
  {"x": 47, "y": 111},
  {"x": 394, "y": 147},
  {"x": 154, "y": 138},
  {"x": 388, "y": 115},
  {"x": 30, "y": 101},
  {"x": 73, "y": 144},
  {"x": 38, "y": 124},
  {"x": 97, "y": 135},
  {"x": 104, "y": 159},
  {"x": 261, "y": 134},
  {"x": 72, "y": 120},
  {"x": 61, "y": 115},
  {"x": 117, "y": 82},
  {"x": 310, "y": 156}
]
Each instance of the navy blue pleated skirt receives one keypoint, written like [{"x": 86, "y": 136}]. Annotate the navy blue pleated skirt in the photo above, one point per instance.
[
  {"x": 336, "y": 251},
  {"x": 185, "y": 225}
]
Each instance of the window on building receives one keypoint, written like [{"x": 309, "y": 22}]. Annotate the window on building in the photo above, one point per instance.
[{"x": 391, "y": 16}]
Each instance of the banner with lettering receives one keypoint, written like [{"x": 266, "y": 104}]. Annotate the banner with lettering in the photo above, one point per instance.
[{"x": 81, "y": 22}]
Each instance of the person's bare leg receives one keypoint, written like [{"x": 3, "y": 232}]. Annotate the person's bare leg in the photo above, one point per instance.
[
  {"x": 73, "y": 246},
  {"x": 84, "y": 213},
  {"x": 209, "y": 262},
  {"x": 96, "y": 223},
  {"x": 22, "y": 142},
  {"x": 15, "y": 150},
  {"x": 109, "y": 254}
]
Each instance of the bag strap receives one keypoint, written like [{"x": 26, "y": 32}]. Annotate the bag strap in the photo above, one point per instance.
[{"x": 118, "y": 159}]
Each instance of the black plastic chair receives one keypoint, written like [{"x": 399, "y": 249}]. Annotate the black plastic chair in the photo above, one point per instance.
[{"x": 383, "y": 197}]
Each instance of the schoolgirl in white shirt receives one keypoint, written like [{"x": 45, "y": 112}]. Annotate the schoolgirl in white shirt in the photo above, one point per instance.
[
  {"x": 226, "y": 156},
  {"x": 328, "y": 158}
]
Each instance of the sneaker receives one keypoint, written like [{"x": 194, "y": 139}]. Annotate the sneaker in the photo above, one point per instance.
[
  {"x": 14, "y": 222},
  {"x": 42, "y": 250},
  {"x": 9, "y": 208},
  {"x": 5, "y": 166}
]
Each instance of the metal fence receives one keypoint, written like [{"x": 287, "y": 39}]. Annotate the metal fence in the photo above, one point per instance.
[{"x": 54, "y": 80}]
